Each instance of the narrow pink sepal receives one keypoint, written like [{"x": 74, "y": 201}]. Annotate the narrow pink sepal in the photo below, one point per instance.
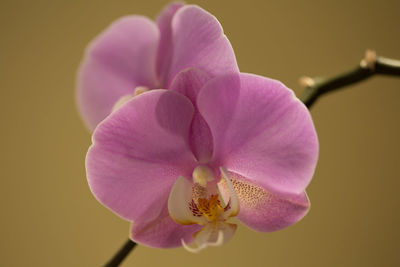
[{"x": 199, "y": 42}]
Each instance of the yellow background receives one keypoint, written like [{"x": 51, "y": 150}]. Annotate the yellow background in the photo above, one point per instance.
[{"x": 50, "y": 218}]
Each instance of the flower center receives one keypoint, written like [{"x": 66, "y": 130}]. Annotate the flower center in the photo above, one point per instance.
[
  {"x": 199, "y": 202},
  {"x": 210, "y": 208}
]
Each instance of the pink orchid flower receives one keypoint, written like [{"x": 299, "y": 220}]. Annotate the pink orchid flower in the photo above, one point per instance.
[
  {"x": 179, "y": 163},
  {"x": 135, "y": 54}
]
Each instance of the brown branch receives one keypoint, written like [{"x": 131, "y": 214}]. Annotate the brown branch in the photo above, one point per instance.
[
  {"x": 121, "y": 254},
  {"x": 369, "y": 66}
]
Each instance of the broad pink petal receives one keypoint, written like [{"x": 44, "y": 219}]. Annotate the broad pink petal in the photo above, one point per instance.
[
  {"x": 189, "y": 82},
  {"x": 261, "y": 131},
  {"x": 139, "y": 151},
  {"x": 263, "y": 211},
  {"x": 164, "y": 53},
  {"x": 162, "y": 231},
  {"x": 199, "y": 42},
  {"x": 120, "y": 59}
]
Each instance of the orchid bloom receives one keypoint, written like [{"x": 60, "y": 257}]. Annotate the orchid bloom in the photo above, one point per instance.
[
  {"x": 135, "y": 54},
  {"x": 179, "y": 163}
]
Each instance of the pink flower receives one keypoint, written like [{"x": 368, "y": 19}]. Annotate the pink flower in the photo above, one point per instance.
[
  {"x": 135, "y": 54},
  {"x": 179, "y": 163}
]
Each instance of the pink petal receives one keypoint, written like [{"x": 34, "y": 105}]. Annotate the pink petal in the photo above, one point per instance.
[
  {"x": 261, "y": 131},
  {"x": 162, "y": 231},
  {"x": 189, "y": 82},
  {"x": 263, "y": 211},
  {"x": 139, "y": 151},
  {"x": 199, "y": 42},
  {"x": 120, "y": 59},
  {"x": 164, "y": 53}
]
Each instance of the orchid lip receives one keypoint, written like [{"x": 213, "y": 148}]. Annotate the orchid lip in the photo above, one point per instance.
[{"x": 199, "y": 202}]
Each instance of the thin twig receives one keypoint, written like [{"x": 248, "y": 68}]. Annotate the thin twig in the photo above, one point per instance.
[
  {"x": 369, "y": 66},
  {"x": 124, "y": 251}
]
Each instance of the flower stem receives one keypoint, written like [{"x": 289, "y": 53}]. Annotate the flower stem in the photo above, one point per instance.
[
  {"x": 121, "y": 254},
  {"x": 369, "y": 66}
]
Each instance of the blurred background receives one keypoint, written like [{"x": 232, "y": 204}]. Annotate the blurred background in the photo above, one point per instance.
[{"x": 50, "y": 218}]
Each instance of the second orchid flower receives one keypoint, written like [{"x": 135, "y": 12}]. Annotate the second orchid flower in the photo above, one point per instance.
[{"x": 135, "y": 54}]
